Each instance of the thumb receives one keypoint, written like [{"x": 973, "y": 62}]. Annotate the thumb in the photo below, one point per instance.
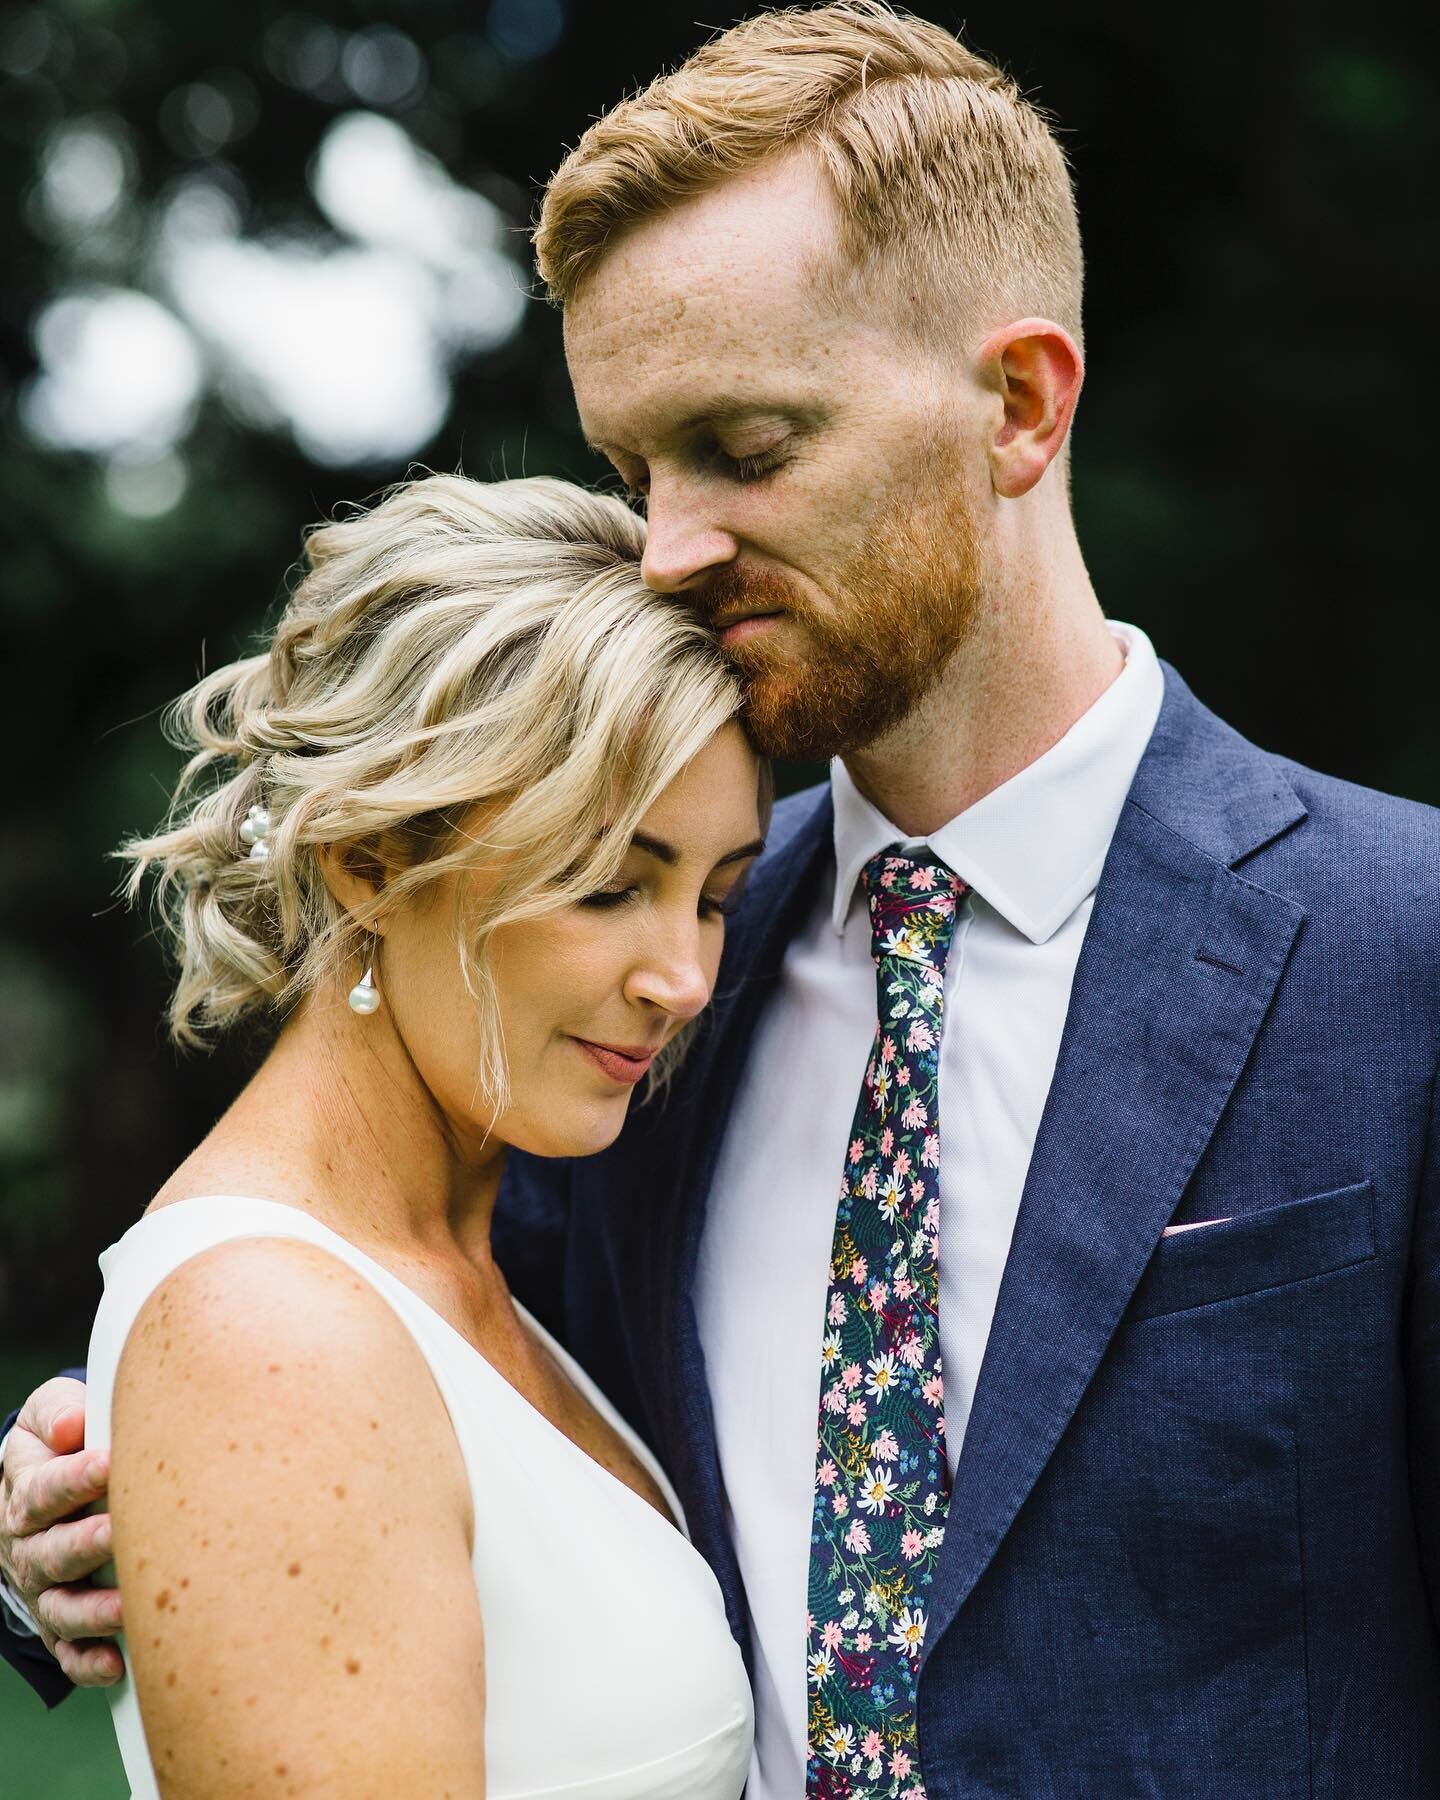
[{"x": 55, "y": 1413}]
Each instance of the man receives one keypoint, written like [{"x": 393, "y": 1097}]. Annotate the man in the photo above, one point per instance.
[{"x": 1169, "y": 1522}]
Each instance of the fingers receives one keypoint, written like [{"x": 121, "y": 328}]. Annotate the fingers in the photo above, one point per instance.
[
  {"x": 90, "y": 1665},
  {"x": 55, "y": 1413},
  {"x": 44, "y": 1489},
  {"x": 64, "y": 1553},
  {"x": 70, "y": 1615}
]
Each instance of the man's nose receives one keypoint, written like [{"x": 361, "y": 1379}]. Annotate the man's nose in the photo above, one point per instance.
[{"x": 682, "y": 544}]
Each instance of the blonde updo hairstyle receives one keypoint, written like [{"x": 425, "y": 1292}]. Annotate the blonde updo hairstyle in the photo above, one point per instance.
[{"x": 463, "y": 651}]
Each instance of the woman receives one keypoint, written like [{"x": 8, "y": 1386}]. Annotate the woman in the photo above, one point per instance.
[{"x": 470, "y": 829}]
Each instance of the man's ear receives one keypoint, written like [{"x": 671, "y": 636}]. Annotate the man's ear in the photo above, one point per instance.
[{"x": 1036, "y": 368}]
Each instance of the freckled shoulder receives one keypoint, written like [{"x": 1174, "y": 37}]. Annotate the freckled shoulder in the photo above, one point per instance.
[
  {"x": 246, "y": 1312},
  {"x": 292, "y": 1532}
]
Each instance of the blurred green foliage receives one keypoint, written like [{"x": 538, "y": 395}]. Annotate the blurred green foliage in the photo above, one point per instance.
[{"x": 1256, "y": 187}]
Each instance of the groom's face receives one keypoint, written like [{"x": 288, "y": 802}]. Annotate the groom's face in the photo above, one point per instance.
[{"x": 811, "y": 471}]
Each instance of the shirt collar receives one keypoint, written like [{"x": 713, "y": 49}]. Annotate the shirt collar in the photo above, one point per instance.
[{"x": 1033, "y": 848}]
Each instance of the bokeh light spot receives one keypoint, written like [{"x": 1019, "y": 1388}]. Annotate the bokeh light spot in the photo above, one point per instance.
[
  {"x": 116, "y": 368},
  {"x": 526, "y": 29}
]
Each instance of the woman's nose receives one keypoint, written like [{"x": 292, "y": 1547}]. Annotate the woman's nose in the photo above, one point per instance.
[{"x": 673, "y": 975}]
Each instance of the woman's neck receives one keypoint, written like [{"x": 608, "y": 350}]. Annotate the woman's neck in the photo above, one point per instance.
[{"x": 338, "y": 1120}]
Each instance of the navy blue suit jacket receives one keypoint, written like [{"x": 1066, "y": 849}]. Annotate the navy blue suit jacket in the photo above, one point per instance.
[{"x": 1194, "y": 1541}]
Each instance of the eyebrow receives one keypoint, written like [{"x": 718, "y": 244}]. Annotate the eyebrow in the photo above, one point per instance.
[{"x": 667, "y": 853}]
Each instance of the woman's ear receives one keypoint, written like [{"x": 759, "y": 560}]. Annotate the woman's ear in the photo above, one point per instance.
[
  {"x": 355, "y": 879},
  {"x": 1036, "y": 368}
]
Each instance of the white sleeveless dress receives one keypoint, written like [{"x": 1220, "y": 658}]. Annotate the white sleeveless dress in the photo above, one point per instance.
[{"x": 661, "y": 1707}]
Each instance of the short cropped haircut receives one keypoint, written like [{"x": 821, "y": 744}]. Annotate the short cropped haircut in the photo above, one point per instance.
[{"x": 954, "y": 195}]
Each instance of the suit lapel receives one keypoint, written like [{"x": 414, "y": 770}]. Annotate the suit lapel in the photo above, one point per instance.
[{"x": 1180, "y": 961}]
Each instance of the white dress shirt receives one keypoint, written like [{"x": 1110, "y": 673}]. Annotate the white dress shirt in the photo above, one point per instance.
[{"x": 1032, "y": 852}]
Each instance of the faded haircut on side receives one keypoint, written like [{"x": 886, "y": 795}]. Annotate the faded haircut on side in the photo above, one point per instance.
[{"x": 954, "y": 195}]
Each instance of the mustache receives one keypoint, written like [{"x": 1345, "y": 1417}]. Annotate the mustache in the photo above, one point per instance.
[{"x": 736, "y": 589}]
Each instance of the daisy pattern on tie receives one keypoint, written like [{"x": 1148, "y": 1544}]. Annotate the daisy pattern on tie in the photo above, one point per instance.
[{"x": 882, "y": 1484}]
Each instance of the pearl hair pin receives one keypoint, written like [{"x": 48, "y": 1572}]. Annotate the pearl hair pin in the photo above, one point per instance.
[{"x": 256, "y": 833}]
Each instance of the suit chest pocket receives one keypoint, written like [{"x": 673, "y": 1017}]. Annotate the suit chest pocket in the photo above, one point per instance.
[{"x": 1256, "y": 1251}]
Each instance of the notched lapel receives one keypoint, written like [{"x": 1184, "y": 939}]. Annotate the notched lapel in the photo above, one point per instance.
[{"x": 1180, "y": 962}]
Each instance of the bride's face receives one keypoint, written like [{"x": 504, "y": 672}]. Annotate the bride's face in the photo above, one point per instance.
[{"x": 589, "y": 994}]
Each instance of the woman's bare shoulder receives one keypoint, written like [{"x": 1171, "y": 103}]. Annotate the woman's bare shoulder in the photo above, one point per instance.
[
  {"x": 292, "y": 1509},
  {"x": 258, "y": 1331}
]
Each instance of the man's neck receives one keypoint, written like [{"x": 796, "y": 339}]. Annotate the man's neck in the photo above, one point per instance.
[{"x": 1030, "y": 668}]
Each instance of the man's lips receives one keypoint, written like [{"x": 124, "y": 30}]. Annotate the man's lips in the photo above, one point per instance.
[
  {"x": 743, "y": 625},
  {"x": 624, "y": 1063}
]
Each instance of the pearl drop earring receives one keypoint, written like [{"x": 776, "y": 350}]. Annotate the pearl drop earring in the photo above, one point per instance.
[{"x": 365, "y": 996}]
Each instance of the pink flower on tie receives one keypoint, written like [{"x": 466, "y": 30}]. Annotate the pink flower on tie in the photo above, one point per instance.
[
  {"x": 835, "y": 1398},
  {"x": 922, "y": 880},
  {"x": 932, "y": 1212},
  {"x": 887, "y": 1141},
  {"x": 857, "y": 1538},
  {"x": 850, "y": 1375},
  {"x": 914, "y": 1116},
  {"x": 911, "y": 1544},
  {"x": 855, "y": 1412},
  {"x": 831, "y": 1636},
  {"x": 934, "y": 1389},
  {"x": 857, "y": 1150},
  {"x": 904, "y": 1286},
  {"x": 902, "y": 1165},
  {"x": 839, "y": 1505},
  {"x": 839, "y": 1312},
  {"x": 900, "y": 1761},
  {"x": 872, "y": 1745},
  {"x": 912, "y": 1352},
  {"x": 930, "y": 1151},
  {"x": 879, "y": 1294},
  {"x": 858, "y": 1271},
  {"x": 917, "y": 1194},
  {"x": 886, "y": 1446},
  {"x": 826, "y": 1473},
  {"x": 920, "y": 1036},
  {"x": 870, "y": 1182},
  {"x": 863, "y": 1640}
]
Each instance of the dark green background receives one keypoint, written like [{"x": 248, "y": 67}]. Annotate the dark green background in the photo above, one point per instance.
[{"x": 1252, "y": 472}]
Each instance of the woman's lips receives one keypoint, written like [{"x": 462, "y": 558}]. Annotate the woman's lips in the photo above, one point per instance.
[{"x": 626, "y": 1066}]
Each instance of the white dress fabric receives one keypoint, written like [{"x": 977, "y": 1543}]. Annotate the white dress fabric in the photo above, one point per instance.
[{"x": 656, "y": 1704}]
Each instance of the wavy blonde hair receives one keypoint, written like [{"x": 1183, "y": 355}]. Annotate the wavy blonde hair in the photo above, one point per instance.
[
  {"x": 463, "y": 650},
  {"x": 954, "y": 195}
]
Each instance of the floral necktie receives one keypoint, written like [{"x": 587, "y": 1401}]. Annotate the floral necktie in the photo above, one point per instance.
[{"x": 882, "y": 1484}]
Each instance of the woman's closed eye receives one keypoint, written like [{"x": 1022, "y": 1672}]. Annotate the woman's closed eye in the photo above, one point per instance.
[
  {"x": 613, "y": 896},
  {"x": 710, "y": 906},
  {"x": 722, "y": 906}
]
